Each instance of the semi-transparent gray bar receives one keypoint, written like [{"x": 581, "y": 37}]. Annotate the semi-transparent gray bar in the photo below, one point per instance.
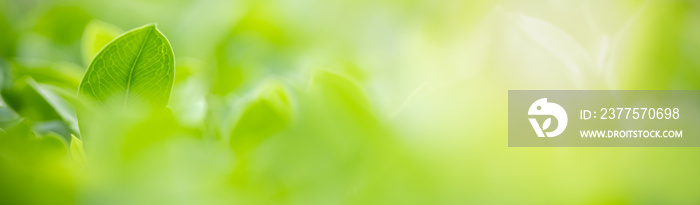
[{"x": 604, "y": 118}]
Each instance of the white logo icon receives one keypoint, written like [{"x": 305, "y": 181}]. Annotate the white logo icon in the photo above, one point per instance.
[{"x": 542, "y": 107}]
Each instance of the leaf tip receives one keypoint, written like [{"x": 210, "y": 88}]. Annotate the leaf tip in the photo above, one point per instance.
[
  {"x": 77, "y": 151},
  {"x": 150, "y": 26}
]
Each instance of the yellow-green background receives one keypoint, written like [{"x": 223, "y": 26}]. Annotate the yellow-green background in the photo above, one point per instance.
[{"x": 392, "y": 102}]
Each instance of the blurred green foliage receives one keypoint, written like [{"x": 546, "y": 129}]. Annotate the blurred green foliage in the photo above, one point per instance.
[{"x": 330, "y": 102}]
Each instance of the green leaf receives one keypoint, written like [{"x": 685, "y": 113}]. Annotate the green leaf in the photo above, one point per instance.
[
  {"x": 61, "y": 74},
  {"x": 8, "y": 36},
  {"x": 97, "y": 34},
  {"x": 267, "y": 114},
  {"x": 33, "y": 163},
  {"x": 63, "y": 24},
  {"x": 341, "y": 93},
  {"x": 8, "y": 117},
  {"x": 25, "y": 99},
  {"x": 77, "y": 151},
  {"x": 46, "y": 110},
  {"x": 137, "y": 67}
]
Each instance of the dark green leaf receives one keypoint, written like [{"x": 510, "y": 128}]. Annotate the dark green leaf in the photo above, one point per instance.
[{"x": 26, "y": 100}]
